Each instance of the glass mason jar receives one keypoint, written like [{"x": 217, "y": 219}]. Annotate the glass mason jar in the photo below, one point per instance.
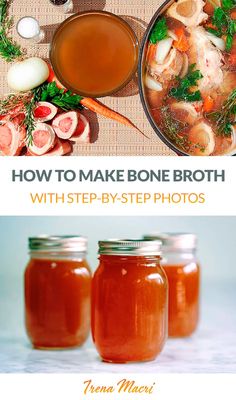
[
  {"x": 57, "y": 292},
  {"x": 129, "y": 301},
  {"x": 183, "y": 272}
]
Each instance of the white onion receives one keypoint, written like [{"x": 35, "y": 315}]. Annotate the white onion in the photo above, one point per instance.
[
  {"x": 152, "y": 84},
  {"x": 163, "y": 49},
  {"x": 27, "y": 74},
  {"x": 185, "y": 66},
  {"x": 218, "y": 42},
  {"x": 172, "y": 35}
]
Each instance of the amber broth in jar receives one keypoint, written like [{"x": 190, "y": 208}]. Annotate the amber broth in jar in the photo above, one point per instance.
[
  {"x": 94, "y": 53},
  {"x": 57, "y": 292},
  {"x": 184, "y": 282},
  {"x": 129, "y": 303},
  {"x": 182, "y": 269}
]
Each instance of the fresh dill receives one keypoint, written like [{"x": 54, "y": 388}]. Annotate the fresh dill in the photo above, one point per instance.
[
  {"x": 27, "y": 102},
  {"x": 225, "y": 118},
  {"x": 14, "y": 101},
  {"x": 172, "y": 127},
  {"x": 9, "y": 49}
]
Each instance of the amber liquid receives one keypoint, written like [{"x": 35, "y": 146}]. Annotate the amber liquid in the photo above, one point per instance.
[
  {"x": 184, "y": 282},
  {"x": 57, "y": 303},
  {"x": 129, "y": 308},
  {"x": 94, "y": 54}
]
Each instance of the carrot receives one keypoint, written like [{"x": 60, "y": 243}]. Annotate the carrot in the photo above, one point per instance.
[
  {"x": 208, "y": 104},
  {"x": 99, "y": 108},
  {"x": 151, "y": 52},
  {"x": 182, "y": 43},
  {"x": 96, "y": 106},
  {"x": 210, "y": 25},
  {"x": 233, "y": 14},
  {"x": 232, "y": 59}
]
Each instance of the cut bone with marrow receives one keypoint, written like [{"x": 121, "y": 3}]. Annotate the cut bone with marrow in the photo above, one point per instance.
[
  {"x": 72, "y": 125},
  {"x": 65, "y": 124},
  {"x": 189, "y": 12},
  {"x": 43, "y": 139},
  {"x": 12, "y": 138},
  {"x": 61, "y": 148},
  {"x": 203, "y": 137},
  {"x": 185, "y": 112},
  {"x": 82, "y": 133},
  {"x": 207, "y": 57},
  {"x": 44, "y": 111}
]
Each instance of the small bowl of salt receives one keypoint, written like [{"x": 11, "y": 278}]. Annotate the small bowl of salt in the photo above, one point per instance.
[{"x": 28, "y": 28}]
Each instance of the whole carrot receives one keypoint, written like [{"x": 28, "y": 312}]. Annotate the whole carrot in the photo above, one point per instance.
[
  {"x": 96, "y": 106},
  {"x": 99, "y": 108}
]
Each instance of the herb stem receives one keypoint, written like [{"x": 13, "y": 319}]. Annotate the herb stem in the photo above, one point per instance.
[
  {"x": 225, "y": 118},
  {"x": 9, "y": 49}
]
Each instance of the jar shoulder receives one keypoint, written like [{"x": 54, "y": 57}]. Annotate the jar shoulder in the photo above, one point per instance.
[
  {"x": 72, "y": 266},
  {"x": 123, "y": 270}
]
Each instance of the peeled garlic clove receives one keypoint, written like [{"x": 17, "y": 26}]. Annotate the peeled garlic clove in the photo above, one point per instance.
[{"x": 186, "y": 111}]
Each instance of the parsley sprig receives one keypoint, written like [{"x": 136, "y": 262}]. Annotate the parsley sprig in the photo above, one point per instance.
[
  {"x": 159, "y": 31},
  {"x": 182, "y": 91},
  {"x": 66, "y": 100},
  {"x": 228, "y": 4},
  {"x": 223, "y": 23}
]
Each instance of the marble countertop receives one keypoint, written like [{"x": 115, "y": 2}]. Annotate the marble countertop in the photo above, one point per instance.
[{"x": 212, "y": 349}]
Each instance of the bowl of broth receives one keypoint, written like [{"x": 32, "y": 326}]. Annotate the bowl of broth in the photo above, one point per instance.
[
  {"x": 187, "y": 78},
  {"x": 94, "y": 53}
]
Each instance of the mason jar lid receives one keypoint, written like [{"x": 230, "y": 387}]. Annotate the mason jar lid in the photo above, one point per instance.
[
  {"x": 58, "y": 244},
  {"x": 174, "y": 241},
  {"x": 130, "y": 247}
]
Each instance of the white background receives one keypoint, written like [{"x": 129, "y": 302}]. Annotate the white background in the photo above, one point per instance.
[
  {"x": 220, "y": 197},
  {"x": 14, "y": 200},
  {"x": 168, "y": 387}
]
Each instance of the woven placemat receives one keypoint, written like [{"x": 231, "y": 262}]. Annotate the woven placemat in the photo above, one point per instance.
[{"x": 109, "y": 138}]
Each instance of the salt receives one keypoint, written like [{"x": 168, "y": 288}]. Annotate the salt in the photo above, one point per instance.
[{"x": 28, "y": 28}]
